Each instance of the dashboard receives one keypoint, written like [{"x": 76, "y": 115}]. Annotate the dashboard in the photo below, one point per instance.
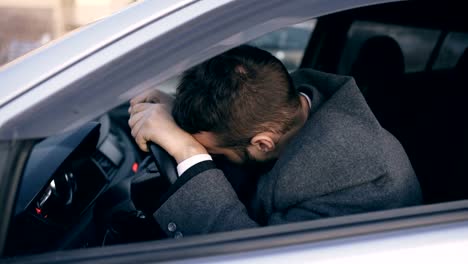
[{"x": 63, "y": 178}]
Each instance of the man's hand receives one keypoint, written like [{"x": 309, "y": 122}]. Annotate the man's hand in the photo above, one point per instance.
[
  {"x": 153, "y": 122},
  {"x": 153, "y": 96}
]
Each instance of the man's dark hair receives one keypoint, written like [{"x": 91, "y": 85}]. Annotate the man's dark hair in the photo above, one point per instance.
[{"x": 236, "y": 95}]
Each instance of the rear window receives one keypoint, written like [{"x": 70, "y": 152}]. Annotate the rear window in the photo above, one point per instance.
[
  {"x": 416, "y": 44},
  {"x": 451, "y": 50}
]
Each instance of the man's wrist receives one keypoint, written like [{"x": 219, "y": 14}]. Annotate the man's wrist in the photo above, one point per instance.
[{"x": 188, "y": 151}]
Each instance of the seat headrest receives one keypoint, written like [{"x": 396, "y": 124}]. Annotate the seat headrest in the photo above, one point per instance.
[{"x": 380, "y": 59}]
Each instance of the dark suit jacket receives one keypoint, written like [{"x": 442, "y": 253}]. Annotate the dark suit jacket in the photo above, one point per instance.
[{"x": 341, "y": 162}]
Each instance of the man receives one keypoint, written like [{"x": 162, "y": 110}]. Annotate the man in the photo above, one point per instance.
[{"x": 331, "y": 157}]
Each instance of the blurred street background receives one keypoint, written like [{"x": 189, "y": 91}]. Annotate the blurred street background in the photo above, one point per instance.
[{"x": 28, "y": 24}]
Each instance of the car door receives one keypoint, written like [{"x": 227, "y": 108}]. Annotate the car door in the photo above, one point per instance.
[{"x": 80, "y": 88}]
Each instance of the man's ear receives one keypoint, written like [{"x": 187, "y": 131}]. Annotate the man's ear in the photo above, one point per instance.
[{"x": 264, "y": 142}]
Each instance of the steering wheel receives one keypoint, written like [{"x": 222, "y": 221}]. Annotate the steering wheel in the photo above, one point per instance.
[
  {"x": 121, "y": 211},
  {"x": 166, "y": 164}
]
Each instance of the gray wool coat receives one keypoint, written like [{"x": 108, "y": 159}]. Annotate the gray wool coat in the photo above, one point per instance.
[{"x": 341, "y": 162}]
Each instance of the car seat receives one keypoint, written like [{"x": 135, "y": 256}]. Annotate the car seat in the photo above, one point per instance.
[
  {"x": 438, "y": 140},
  {"x": 378, "y": 71}
]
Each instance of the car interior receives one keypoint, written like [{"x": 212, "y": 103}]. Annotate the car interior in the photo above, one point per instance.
[
  {"x": 79, "y": 189},
  {"x": 411, "y": 72}
]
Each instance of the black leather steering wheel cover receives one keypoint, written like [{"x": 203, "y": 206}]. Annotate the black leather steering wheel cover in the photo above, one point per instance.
[{"x": 166, "y": 164}]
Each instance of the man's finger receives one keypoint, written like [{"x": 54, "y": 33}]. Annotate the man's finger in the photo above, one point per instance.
[
  {"x": 137, "y": 127},
  {"x": 150, "y": 96},
  {"x": 141, "y": 98},
  {"x": 141, "y": 142},
  {"x": 140, "y": 107},
  {"x": 134, "y": 118}
]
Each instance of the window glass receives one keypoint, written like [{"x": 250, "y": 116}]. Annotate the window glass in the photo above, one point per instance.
[
  {"x": 452, "y": 48},
  {"x": 287, "y": 44},
  {"x": 416, "y": 44},
  {"x": 28, "y": 24}
]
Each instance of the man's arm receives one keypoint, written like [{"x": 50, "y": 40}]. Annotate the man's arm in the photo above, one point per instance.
[
  {"x": 202, "y": 201},
  {"x": 153, "y": 123}
]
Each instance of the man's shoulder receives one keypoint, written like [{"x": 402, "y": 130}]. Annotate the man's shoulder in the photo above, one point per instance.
[
  {"x": 341, "y": 145},
  {"x": 334, "y": 154}
]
